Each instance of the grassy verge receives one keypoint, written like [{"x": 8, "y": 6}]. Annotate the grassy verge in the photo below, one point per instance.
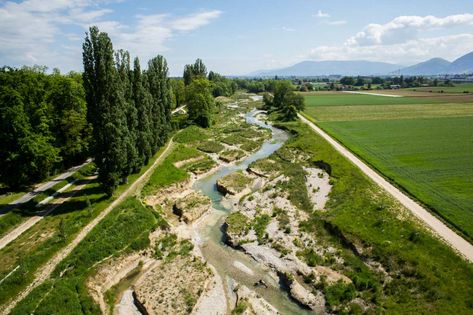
[{"x": 423, "y": 275}]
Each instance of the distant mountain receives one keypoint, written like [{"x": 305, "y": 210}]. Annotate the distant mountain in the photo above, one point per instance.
[
  {"x": 463, "y": 64},
  {"x": 436, "y": 66},
  {"x": 429, "y": 67},
  {"x": 317, "y": 68}
]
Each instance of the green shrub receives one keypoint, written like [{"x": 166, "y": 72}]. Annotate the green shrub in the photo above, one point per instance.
[
  {"x": 210, "y": 147},
  {"x": 191, "y": 134},
  {"x": 339, "y": 293}
]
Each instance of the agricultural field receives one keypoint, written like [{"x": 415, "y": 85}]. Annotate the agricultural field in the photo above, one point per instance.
[{"x": 425, "y": 148}]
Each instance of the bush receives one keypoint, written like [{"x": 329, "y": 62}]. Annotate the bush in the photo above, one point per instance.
[
  {"x": 210, "y": 147},
  {"x": 339, "y": 293}
]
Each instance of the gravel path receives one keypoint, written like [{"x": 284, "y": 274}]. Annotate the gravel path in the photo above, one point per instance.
[
  {"x": 45, "y": 271},
  {"x": 375, "y": 94},
  {"x": 454, "y": 240}
]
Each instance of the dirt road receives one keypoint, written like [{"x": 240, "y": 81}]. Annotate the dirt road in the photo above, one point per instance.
[
  {"x": 449, "y": 236},
  {"x": 45, "y": 271}
]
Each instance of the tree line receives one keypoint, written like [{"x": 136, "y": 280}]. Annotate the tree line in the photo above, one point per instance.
[{"x": 283, "y": 100}]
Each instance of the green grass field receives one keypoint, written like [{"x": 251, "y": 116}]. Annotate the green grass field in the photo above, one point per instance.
[
  {"x": 345, "y": 99},
  {"x": 426, "y": 149}
]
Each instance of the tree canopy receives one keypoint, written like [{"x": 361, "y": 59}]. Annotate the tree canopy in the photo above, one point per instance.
[{"x": 43, "y": 125}]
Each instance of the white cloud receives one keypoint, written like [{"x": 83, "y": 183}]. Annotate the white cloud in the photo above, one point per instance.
[
  {"x": 404, "y": 28},
  {"x": 148, "y": 37},
  {"x": 30, "y": 28},
  {"x": 37, "y": 31},
  {"x": 403, "y": 40},
  {"x": 321, "y": 14},
  {"x": 194, "y": 21},
  {"x": 411, "y": 51}
]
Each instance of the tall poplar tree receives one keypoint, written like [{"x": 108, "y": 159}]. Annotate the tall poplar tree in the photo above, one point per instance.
[
  {"x": 126, "y": 77},
  {"x": 106, "y": 109},
  {"x": 142, "y": 100},
  {"x": 159, "y": 88}
]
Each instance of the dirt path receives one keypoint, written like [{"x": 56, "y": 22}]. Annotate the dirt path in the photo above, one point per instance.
[
  {"x": 45, "y": 271},
  {"x": 43, "y": 187},
  {"x": 374, "y": 94},
  {"x": 454, "y": 240},
  {"x": 13, "y": 234}
]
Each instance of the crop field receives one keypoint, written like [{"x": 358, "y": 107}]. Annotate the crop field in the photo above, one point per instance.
[
  {"x": 346, "y": 99},
  {"x": 424, "y": 148}
]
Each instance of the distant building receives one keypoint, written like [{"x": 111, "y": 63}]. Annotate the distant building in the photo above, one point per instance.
[{"x": 395, "y": 86}]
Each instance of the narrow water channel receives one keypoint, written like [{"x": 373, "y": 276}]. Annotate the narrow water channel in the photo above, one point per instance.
[{"x": 223, "y": 257}]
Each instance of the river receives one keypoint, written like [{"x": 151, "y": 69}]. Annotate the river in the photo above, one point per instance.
[{"x": 223, "y": 257}]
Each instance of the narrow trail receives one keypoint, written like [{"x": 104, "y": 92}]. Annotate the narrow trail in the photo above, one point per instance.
[
  {"x": 29, "y": 223},
  {"x": 43, "y": 187},
  {"x": 449, "y": 236},
  {"x": 45, "y": 271},
  {"x": 373, "y": 94}
]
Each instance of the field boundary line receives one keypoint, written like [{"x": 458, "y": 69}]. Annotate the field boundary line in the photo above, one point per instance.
[
  {"x": 48, "y": 268},
  {"x": 454, "y": 240}
]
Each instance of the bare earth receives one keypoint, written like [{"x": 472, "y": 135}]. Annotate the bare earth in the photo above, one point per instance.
[
  {"x": 45, "y": 271},
  {"x": 454, "y": 240}
]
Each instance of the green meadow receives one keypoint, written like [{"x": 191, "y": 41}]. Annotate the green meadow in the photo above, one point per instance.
[
  {"x": 347, "y": 99},
  {"x": 426, "y": 149}
]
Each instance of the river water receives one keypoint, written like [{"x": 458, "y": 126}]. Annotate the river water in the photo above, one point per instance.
[{"x": 223, "y": 257}]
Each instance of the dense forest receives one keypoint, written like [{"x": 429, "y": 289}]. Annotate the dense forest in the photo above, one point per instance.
[{"x": 43, "y": 125}]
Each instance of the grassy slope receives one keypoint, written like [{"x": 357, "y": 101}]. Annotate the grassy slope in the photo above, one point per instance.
[
  {"x": 427, "y": 275},
  {"x": 430, "y": 158},
  {"x": 125, "y": 228}
]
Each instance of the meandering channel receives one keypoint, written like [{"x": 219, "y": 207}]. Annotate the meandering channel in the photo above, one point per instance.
[{"x": 233, "y": 265}]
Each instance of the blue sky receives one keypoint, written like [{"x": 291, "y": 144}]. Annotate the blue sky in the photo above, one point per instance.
[{"x": 237, "y": 37}]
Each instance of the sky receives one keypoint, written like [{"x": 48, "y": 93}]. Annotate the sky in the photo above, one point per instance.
[{"x": 237, "y": 37}]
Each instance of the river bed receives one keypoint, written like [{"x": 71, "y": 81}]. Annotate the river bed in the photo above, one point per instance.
[{"x": 233, "y": 265}]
